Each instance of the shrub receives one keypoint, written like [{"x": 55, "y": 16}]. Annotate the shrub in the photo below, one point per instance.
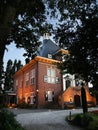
[
  {"x": 93, "y": 125},
  {"x": 77, "y": 120},
  {"x": 86, "y": 119},
  {"x": 8, "y": 121},
  {"x": 82, "y": 120}
]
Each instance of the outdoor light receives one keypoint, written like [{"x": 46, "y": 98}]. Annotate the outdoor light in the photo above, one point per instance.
[{"x": 37, "y": 90}]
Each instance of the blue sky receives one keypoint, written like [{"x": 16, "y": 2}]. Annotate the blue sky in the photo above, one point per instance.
[
  {"x": 13, "y": 53},
  {"x": 16, "y": 53}
]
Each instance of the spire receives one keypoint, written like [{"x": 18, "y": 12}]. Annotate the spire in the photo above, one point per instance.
[{"x": 46, "y": 31}]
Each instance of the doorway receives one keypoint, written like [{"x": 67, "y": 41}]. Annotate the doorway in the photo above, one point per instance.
[{"x": 77, "y": 100}]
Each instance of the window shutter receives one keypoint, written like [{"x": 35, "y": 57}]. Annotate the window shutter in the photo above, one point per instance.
[
  {"x": 45, "y": 78},
  {"x": 57, "y": 80}
]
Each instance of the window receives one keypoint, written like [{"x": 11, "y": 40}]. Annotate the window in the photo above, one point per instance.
[
  {"x": 33, "y": 98},
  {"x": 21, "y": 83},
  {"x": 49, "y": 96},
  {"x": 32, "y": 76},
  {"x": 16, "y": 84},
  {"x": 50, "y": 56},
  {"x": 27, "y": 79},
  {"x": 45, "y": 78},
  {"x": 51, "y": 75},
  {"x": 68, "y": 83}
]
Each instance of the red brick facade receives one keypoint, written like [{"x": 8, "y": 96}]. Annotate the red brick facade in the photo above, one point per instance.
[
  {"x": 45, "y": 89},
  {"x": 39, "y": 84},
  {"x": 72, "y": 97}
]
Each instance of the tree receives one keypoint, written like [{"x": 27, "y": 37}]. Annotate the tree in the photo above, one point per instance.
[
  {"x": 2, "y": 80},
  {"x": 78, "y": 32},
  {"x": 8, "y": 76},
  {"x": 11, "y": 68},
  {"x": 21, "y": 22},
  {"x": 84, "y": 101}
]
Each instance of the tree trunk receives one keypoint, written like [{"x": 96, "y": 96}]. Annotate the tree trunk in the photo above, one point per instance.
[
  {"x": 5, "y": 31},
  {"x": 84, "y": 102},
  {"x": 2, "y": 50}
]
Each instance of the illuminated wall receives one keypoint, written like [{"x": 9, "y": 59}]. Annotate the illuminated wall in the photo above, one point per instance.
[{"x": 68, "y": 97}]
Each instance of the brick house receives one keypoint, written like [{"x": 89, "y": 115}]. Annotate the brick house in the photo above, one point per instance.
[
  {"x": 71, "y": 98},
  {"x": 40, "y": 83}
]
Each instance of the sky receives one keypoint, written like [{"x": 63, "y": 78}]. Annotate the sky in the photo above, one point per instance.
[
  {"x": 13, "y": 53},
  {"x": 16, "y": 53}
]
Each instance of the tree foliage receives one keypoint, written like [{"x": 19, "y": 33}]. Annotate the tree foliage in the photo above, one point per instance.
[
  {"x": 78, "y": 32},
  {"x": 21, "y": 22},
  {"x": 11, "y": 68}
]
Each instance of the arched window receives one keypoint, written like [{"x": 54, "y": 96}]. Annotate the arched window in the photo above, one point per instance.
[{"x": 68, "y": 83}]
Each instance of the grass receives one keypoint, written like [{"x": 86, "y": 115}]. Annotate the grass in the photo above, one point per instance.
[{"x": 88, "y": 121}]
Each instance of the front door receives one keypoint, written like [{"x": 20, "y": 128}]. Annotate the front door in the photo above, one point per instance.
[{"x": 77, "y": 100}]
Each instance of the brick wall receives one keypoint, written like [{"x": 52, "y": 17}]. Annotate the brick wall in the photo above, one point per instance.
[{"x": 24, "y": 91}]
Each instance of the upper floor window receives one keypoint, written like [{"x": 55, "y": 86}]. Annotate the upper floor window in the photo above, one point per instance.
[
  {"x": 21, "y": 83},
  {"x": 16, "y": 84},
  {"x": 51, "y": 75},
  {"x": 27, "y": 79},
  {"x": 68, "y": 83},
  {"x": 32, "y": 76}
]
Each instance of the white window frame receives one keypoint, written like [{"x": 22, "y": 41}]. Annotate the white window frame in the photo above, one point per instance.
[
  {"x": 49, "y": 96},
  {"x": 27, "y": 79},
  {"x": 51, "y": 75},
  {"x": 32, "y": 76}
]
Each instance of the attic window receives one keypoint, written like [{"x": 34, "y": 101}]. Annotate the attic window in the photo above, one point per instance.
[{"x": 50, "y": 56}]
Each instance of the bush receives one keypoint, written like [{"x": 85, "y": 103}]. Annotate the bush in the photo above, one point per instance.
[
  {"x": 86, "y": 119},
  {"x": 77, "y": 120},
  {"x": 82, "y": 120},
  {"x": 8, "y": 121},
  {"x": 26, "y": 106},
  {"x": 93, "y": 125}
]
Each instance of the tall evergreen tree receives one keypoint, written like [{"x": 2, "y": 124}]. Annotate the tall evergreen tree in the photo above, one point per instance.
[
  {"x": 2, "y": 80},
  {"x": 11, "y": 68},
  {"x": 8, "y": 76}
]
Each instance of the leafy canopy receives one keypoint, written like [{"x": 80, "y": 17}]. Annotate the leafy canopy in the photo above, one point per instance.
[{"x": 78, "y": 32}]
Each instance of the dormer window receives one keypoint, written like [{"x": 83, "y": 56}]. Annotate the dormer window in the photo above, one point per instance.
[{"x": 50, "y": 56}]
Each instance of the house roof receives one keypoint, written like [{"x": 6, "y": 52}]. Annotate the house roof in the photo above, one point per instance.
[
  {"x": 32, "y": 62},
  {"x": 48, "y": 47}
]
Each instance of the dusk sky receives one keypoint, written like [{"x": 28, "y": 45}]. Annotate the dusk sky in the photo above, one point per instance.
[{"x": 13, "y": 53}]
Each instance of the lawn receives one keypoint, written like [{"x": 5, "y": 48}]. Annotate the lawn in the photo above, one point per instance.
[{"x": 88, "y": 121}]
